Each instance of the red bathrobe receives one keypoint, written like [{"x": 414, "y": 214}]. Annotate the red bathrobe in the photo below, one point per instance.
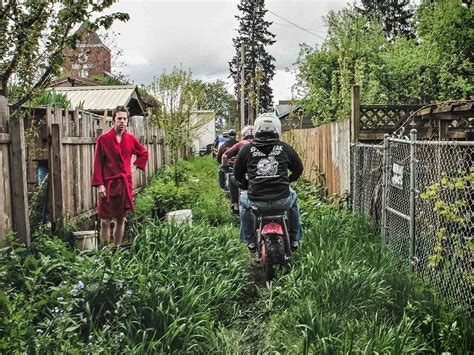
[{"x": 112, "y": 168}]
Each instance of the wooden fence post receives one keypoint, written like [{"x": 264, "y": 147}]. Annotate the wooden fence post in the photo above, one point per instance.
[
  {"x": 56, "y": 171},
  {"x": 21, "y": 222},
  {"x": 144, "y": 175},
  {"x": 155, "y": 153},
  {"x": 355, "y": 117},
  {"x": 163, "y": 152},
  {"x": 4, "y": 114},
  {"x": 443, "y": 130}
]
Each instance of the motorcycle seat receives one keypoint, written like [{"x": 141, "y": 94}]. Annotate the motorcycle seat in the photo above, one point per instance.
[{"x": 268, "y": 214}]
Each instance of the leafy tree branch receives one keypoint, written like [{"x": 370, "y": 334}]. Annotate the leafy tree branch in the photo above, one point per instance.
[{"x": 33, "y": 35}]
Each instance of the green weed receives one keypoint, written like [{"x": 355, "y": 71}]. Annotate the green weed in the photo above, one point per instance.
[
  {"x": 342, "y": 296},
  {"x": 190, "y": 289}
]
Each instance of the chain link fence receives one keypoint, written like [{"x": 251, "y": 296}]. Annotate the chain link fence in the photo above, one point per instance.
[
  {"x": 420, "y": 196},
  {"x": 366, "y": 180},
  {"x": 396, "y": 205}
]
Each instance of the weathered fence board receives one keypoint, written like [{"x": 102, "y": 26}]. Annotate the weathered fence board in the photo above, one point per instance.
[
  {"x": 5, "y": 202},
  {"x": 5, "y": 192},
  {"x": 19, "y": 188},
  {"x": 324, "y": 151},
  {"x": 13, "y": 182}
]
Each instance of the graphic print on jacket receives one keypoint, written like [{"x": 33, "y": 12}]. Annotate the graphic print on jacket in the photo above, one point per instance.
[
  {"x": 267, "y": 167},
  {"x": 267, "y": 161}
]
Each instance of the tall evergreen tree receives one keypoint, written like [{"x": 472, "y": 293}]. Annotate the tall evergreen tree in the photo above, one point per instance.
[
  {"x": 254, "y": 33},
  {"x": 396, "y": 16}
]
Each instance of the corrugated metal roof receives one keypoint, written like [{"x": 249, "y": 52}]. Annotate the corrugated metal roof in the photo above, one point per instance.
[
  {"x": 285, "y": 109},
  {"x": 98, "y": 98}
]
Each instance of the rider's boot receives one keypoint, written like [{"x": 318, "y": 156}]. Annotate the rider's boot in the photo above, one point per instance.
[
  {"x": 294, "y": 244},
  {"x": 235, "y": 208}
]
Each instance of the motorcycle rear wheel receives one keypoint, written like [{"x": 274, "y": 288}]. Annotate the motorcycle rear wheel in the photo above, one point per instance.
[{"x": 268, "y": 268}]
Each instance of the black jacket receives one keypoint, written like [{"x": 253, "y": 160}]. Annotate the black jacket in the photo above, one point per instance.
[
  {"x": 226, "y": 145},
  {"x": 266, "y": 162}
]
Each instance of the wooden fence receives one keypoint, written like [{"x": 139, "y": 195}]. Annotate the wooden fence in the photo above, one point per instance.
[
  {"x": 66, "y": 140},
  {"x": 325, "y": 152}
]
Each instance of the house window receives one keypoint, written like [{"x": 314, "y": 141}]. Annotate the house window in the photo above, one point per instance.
[{"x": 82, "y": 69}]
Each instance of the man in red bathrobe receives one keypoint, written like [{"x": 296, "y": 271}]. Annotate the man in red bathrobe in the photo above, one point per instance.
[{"x": 113, "y": 176}]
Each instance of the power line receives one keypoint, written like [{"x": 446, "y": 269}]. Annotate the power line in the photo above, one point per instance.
[
  {"x": 217, "y": 73},
  {"x": 288, "y": 25},
  {"x": 297, "y": 26}
]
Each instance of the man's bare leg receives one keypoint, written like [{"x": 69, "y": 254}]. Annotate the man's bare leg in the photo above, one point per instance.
[
  {"x": 105, "y": 230},
  {"x": 119, "y": 231}
]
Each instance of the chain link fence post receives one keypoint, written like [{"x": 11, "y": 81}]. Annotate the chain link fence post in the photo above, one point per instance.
[
  {"x": 385, "y": 173},
  {"x": 413, "y": 136}
]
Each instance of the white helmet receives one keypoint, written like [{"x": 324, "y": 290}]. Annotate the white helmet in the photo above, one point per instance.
[
  {"x": 247, "y": 131},
  {"x": 267, "y": 122}
]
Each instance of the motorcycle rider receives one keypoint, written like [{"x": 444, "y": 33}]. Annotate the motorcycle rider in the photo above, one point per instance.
[
  {"x": 266, "y": 161},
  {"x": 218, "y": 142},
  {"x": 227, "y": 144},
  {"x": 228, "y": 159},
  {"x": 224, "y": 147}
]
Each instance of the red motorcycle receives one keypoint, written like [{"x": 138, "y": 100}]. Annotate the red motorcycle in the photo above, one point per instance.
[{"x": 272, "y": 240}]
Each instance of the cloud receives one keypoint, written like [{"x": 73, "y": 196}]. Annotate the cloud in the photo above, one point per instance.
[
  {"x": 198, "y": 35},
  {"x": 133, "y": 60}
]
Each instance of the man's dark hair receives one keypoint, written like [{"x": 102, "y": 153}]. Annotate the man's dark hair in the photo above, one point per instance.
[{"x": 120, "y": 109}]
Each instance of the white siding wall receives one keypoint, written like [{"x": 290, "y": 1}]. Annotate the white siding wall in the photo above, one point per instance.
[{"x": 206, "y": 133}]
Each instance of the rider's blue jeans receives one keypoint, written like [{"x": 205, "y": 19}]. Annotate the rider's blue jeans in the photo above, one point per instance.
[{"x": 247, "y": 219}]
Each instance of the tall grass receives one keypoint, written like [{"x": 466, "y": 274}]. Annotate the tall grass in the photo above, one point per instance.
[
  {"x": 190, "y": 289},
  {"x": 342, "y": 296},
  {"x": 176, "y": 290}
]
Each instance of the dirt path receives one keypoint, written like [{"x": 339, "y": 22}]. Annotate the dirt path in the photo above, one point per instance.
[{"x": 254, "y": 314}]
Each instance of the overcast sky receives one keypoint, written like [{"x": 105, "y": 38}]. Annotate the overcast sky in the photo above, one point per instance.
[{"x": 198, "y": 34}]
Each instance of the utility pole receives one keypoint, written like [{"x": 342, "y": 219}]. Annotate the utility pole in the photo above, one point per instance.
[
  {"x": 258, "y": 80},
  {"x": 252, "y": 91},
  {"x": 242, "y": 86},
  {"x": 239, "y": 115}
]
